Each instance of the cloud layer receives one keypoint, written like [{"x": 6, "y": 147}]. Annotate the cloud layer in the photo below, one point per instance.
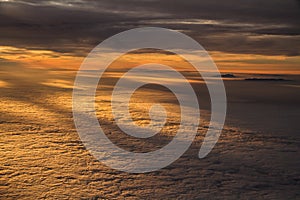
[{"x": 267, "y": 27}]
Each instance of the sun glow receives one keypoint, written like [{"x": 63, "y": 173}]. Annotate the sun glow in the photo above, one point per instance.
[
  {"x": 39, "y": 58},
  {"x": 226, "y": 62}
]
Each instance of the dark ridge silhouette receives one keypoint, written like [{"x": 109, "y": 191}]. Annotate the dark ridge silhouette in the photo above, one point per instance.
[
  {"x": 228, "y": 76},
  {"x": 265, "y": 79}
]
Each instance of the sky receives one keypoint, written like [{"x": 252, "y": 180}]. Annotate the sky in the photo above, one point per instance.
[{"x": 251, "y": 35}]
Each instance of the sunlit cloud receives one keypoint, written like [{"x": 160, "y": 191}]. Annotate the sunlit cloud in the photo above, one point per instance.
[
  {"x": 4, "y": 84},
  {"x": 39, "y": 58},
  {"x": 254, "y": 63}
]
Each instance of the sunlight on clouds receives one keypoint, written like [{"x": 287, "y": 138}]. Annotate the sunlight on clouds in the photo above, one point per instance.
[
  {"x": 252, "y": 63},
  {"x": 39, "y": 58},
  {"x": 221, "y": 23},
  {"x": 58, "y": 83},
  {"x": 226, "y": 62},
  {"x": 4, "y": 84}
]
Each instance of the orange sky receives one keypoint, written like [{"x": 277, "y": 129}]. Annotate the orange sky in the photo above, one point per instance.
[{"x": 226, "y": 62}]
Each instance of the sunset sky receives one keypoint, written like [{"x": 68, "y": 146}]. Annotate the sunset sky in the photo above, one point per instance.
[
  {"x": 85, "y": 119},
  {"x": 241, "y": 36}
]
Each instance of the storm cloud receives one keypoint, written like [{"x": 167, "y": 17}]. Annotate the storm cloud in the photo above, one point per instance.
[{"x": 269, "y": 27}]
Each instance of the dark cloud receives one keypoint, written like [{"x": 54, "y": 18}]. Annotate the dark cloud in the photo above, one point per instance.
[{"x": 262, "y": 27}]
